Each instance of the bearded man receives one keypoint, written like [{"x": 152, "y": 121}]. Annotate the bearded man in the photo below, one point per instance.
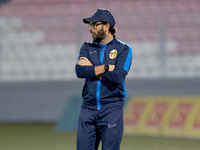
[{"x": 104, "y": 64}]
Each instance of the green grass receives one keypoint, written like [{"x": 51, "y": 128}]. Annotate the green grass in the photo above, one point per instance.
[{"x": 38, "y": 136}]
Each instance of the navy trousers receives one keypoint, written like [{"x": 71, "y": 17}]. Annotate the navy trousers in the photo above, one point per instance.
[{"x": 104, "y": 125}]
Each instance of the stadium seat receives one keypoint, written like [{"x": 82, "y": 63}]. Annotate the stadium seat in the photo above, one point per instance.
[{"x": 47, "y": 35}]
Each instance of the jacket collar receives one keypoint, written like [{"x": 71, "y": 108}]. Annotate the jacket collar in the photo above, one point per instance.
[{"x": 101, "y": 45}]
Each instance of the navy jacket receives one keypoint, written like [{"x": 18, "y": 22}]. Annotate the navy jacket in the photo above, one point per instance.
[{"x": 110, "y": 90}]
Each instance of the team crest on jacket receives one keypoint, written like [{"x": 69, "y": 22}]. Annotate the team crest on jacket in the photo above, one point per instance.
[{"x": 113, "y": 54}]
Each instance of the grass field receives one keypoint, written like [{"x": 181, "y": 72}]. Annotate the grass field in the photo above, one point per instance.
[{"x": 38, "y": 136}]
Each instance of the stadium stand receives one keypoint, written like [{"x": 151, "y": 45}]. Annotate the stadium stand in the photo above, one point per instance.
[{"x": 40, "y": 40}]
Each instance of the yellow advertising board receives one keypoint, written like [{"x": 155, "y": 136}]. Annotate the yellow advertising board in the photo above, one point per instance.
[{"x": 168, "y": 116}]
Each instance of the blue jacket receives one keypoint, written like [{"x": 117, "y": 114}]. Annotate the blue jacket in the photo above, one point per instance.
[{"x": 110, "y": 90}]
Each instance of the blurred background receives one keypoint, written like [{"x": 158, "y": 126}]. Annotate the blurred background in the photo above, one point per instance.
[{"x": 39, "y": 46}]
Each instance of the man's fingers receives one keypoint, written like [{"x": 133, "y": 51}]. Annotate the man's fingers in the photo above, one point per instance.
[
  {"x": 83, "y": 58},
  {"x": 83, "y": 61},
  {"x": 111, "y": 67}
]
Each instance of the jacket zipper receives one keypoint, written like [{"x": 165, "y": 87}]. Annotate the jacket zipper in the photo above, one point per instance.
[{"x": 103, "y": 47}]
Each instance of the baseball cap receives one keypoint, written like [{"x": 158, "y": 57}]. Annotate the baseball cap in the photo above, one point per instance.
[{"x": 101, "y": 15}]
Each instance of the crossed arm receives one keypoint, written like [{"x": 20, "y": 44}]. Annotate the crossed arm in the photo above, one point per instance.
[{"x": 99, "y": 70}]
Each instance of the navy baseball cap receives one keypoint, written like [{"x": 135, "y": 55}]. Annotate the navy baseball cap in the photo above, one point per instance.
[{"x": 101, "y": 15}]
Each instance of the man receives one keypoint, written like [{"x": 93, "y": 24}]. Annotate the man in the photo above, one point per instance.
[{"x": 104, "y": 63}]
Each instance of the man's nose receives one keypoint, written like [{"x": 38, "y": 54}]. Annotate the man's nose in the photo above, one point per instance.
[{"x": 90, "y": 29}]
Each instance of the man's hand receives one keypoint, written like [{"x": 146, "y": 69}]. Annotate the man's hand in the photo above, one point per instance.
[
  {"x": 111, "y": 67},
  {"x": 83, "y": 61},
  {"x": 99, "y": 70}
]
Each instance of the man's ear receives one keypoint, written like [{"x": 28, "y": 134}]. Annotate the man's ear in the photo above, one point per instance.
[{"x": 107, "y": 25}]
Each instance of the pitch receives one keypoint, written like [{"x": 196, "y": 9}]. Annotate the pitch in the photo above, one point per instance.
[{"x": 43, "y": 136}]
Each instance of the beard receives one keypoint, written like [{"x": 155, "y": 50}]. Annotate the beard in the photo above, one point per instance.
[{"x": 99, "y": 36}]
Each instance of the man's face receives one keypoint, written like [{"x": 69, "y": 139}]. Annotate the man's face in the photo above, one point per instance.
[{"x": 97, "y": 31}]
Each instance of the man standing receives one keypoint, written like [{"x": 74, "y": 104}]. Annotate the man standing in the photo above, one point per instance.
[{"x": 104, "y": 63}]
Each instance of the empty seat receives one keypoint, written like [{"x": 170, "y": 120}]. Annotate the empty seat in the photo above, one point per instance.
[{"x": 46, "y": 36}]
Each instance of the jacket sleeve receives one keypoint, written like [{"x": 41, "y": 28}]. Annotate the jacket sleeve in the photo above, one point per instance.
[
  {"x": 121, "y": 67},
  {"x": 84, "y": 71}
]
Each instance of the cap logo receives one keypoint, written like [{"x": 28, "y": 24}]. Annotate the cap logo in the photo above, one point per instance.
[{"x": 113, "y": 54}]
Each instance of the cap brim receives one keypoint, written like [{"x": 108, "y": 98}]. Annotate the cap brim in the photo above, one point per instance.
[{"x": 90, "y": 19}]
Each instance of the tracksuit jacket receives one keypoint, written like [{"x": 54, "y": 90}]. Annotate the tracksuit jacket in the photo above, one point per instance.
[{"x": 110, "y": 90}]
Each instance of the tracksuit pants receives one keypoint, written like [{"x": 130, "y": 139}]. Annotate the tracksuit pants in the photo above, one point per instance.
[{"x": 104, "y": 125}]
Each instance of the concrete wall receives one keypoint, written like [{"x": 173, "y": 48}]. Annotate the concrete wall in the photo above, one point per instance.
[{"x": 44, "y": 101}]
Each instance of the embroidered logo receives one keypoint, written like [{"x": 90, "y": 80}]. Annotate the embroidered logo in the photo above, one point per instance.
[
  {"x": 113, "y": 54},
  {"x": 110, "y": 126},
  {"x": 92, "y": 52}
]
